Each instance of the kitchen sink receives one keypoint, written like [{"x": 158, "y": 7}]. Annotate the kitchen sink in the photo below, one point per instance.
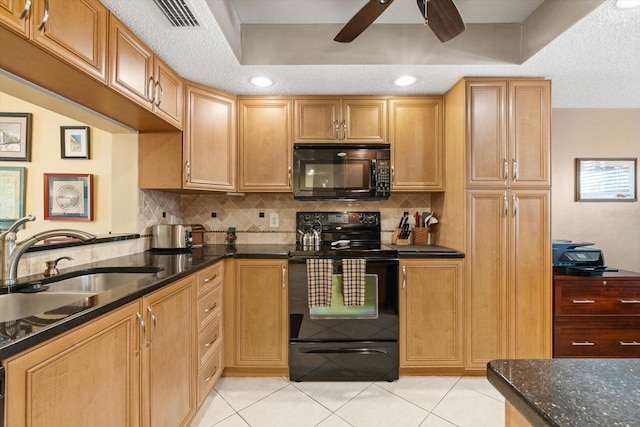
[
  {"x": 18, "y": 306},
  {"x": 97, "y": 282}
]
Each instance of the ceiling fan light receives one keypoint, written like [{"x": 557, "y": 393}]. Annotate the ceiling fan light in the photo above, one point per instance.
[
  {"x": 627, "y": 4},
  {"x": 261, "y": 81},
  {"x": 405, "y": 81}
]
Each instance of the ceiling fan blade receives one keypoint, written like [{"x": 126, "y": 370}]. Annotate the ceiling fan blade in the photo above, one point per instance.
[
  {"x": 444, "y": 19},
  {"x": 362, "y": 20}
]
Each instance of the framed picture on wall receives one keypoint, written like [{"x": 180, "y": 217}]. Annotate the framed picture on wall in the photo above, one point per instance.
[
  {"x": 74, "y": 142},
  {"x": 68, "y": 196},
  {"x": 12, "y": 191},
  {"x": 15, "y": 137},
  {"x": 606, "y": 180}
]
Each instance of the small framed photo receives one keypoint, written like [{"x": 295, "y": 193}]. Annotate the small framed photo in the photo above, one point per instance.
[
  {"x": 606, "y": 180},
  {"x": 12, "y": 190},
  {"x": 68, "y": 196},
  {"x": 15, "y": 137},
  {"x": 74, "y": 142}
]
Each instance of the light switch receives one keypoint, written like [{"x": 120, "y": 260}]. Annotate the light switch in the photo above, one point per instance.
[{"x": 274, "y": 220}]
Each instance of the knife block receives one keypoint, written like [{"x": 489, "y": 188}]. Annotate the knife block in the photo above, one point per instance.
[{"x": 396, "y": 240}]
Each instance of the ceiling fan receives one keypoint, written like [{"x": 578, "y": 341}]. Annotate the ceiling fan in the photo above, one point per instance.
[{"x": 441, "y": 16}]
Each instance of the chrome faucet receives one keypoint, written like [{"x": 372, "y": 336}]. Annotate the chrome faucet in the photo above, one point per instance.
[{"x": 11, "y": 252}]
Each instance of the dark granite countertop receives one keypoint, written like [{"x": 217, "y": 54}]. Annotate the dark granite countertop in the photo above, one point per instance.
[
  {"x": 425, "y": 251},
  {"x": 21, "y": 334},
  {"x": 571, "y": 392}
]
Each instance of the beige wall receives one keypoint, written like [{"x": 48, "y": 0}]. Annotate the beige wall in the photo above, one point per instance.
[
  {"x": 113, "y": 163},
  {"x": 613, "y": 227}
]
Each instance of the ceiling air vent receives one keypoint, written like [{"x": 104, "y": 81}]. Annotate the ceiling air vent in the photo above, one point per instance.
[{"x": 177, "y": 13}]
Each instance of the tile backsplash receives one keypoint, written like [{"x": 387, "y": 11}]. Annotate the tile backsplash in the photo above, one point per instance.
[{"x": 218, "y": 212}]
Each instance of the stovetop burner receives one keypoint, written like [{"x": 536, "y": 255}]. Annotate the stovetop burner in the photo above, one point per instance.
[{"x": 344, "y": 235}]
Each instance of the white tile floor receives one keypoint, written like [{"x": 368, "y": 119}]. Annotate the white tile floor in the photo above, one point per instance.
[{"x": 408, "y": 402}]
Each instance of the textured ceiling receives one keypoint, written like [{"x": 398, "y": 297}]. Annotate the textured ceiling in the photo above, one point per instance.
[{"x": 593, "y": 64}]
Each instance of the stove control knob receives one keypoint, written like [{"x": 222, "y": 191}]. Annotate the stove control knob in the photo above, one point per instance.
[
  {"x": 361, "y": 218},
  {"x": 371, "y": 219},
  {"x": 306, "y": 217}
]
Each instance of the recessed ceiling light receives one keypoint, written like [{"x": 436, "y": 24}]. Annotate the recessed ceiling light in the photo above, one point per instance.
[
  {"x": 627, "y": 4},
  {"x": 261, "y": 81},
  {"x": 405, "y": 81}
]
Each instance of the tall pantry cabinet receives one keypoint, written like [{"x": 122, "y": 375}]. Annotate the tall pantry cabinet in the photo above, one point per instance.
[{"x": 506, "y": 199}]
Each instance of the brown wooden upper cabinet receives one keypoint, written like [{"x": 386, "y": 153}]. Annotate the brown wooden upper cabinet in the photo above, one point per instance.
[
  {"x": 508, "y": 132},
  {"x": 209, "y": 146},
  {"x": 264, "y": 144},
  {"x": 72, "y": 30},
  {"x": 417, "y": 143},
  {"x": 340, "y": 119},
  {"x": 138, "y": 74}
]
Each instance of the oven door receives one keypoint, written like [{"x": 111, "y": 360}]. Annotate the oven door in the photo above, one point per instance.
[{"x": 377, "y": 320}]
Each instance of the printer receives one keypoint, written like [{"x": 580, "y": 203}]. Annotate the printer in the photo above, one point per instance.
[{"x": 574, "y": 259}]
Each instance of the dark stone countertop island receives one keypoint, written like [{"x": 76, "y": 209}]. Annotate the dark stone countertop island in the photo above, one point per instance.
[{"x": 571, "y": 392}]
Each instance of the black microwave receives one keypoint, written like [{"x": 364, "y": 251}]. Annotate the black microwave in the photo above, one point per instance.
[{"x": 328, "y": 171}]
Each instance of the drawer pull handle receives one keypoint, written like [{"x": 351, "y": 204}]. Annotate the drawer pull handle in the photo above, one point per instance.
[
  {"x": 585, "y": 343},
  {"x": 208, "y": 279},
  {"x": 630, "y": 343},
  {"x": 210, "y": 343},
  {"x": 630, "y": 301},
  {"x": 213, "y": 307},
  {"x": 215, "y": 369},
  {"x": 583, "y": 301}
]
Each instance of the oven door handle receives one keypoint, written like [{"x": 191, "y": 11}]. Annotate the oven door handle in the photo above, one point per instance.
[{"x": 346, "y": 350}]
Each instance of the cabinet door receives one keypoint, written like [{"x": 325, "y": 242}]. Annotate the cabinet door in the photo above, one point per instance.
[
  {"x": 210, "y": 140},
  {"x": 432, "y": 313},
  {"x": 487, "y": 155},
  {"x": 486, "y": 277},
  {"x": 168, "y": 94},
  {"x": 364, "y": 119},
  {"x": 530, "y": 274},
  {"x": 169, "y": 365},
  {"x": 529, "y": 133},
  {"x": 10, "y": 11},
  {"x": 316, "y": 119},
  {"x": 415, "y": 134},
  {"x": 261, "y": 313},
  {"x": 75, "y": 31},
  {"x": 88, "y": 377},
  {"x": 265, "y": 144},
  {"x": 131, "y": 64}
]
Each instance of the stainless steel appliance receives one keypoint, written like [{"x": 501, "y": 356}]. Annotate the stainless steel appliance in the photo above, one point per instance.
[
  {"x": 171, "y": 236},
  {"x": 341, "y": 171},
  {"x": 341, "y": 343}
]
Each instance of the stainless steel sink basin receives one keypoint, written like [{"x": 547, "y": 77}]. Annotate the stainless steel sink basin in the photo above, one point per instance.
[
  {"x": 96, "y": 282},
  {"x": 19, "y": 306}
]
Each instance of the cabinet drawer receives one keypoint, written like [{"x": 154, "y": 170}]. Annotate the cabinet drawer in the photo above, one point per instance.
[
  {"x": 601, "y": 299},
  {"x": 209, "y": 340},
  {"x": 209, "y": 277},
  {"x": 209, "y": 306},
  {"x": 209, "y": 374},
  {"x": 597, "y": 340}
]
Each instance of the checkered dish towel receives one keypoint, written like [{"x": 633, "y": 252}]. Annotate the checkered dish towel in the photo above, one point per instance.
[
  {"x": 353, "y": 281},
  {"x": 319, "y": 273}
]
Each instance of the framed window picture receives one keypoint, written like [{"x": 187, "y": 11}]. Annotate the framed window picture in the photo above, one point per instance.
[
  {"x": 74, "y": 142},
  {"x": 15, "y": 136},
  {"x": 68, "y": 197},
  {"x": 606, "y": 180},
  {"x": 12, "y": 191}
]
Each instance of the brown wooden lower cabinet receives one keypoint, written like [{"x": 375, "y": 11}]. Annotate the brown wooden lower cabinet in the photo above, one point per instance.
[
  {"x": 256, "y": 328},
  {"x": 111, "y": 371},
  {"x": 597, "y": 316},
  {"x": 431, "y": 316}
]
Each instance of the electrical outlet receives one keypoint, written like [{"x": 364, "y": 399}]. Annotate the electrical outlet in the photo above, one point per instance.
[{"x": 274, "y": 220}]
